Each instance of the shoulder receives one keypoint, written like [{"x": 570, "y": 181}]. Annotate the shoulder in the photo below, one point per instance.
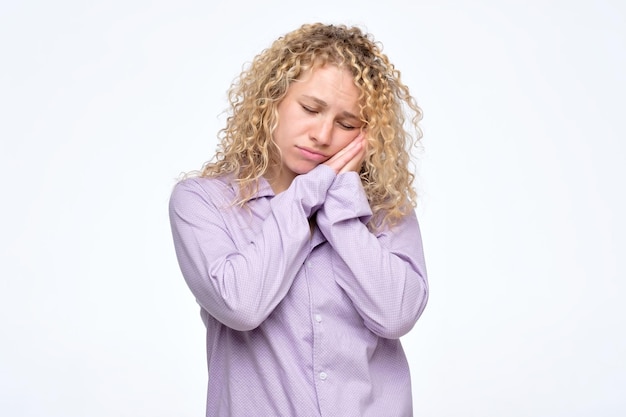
[{"x": 209, "y": 190}]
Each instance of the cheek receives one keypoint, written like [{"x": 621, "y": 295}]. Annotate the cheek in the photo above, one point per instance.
[
  {"x": 281, "y": 133},
  {"x": 288, "y": 122},
  {"x": 343, "y": 139}
]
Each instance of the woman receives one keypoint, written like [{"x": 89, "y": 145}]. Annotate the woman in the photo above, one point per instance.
[{"x": 299, "y": 239}]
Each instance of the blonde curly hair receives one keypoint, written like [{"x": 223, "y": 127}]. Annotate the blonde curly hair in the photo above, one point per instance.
[{"x": 246, "y": 148}]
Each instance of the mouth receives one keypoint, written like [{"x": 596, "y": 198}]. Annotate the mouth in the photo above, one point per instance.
[{"x": 309, "y": 153}]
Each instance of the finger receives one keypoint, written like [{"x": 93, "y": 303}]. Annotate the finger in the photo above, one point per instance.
[
  {"x": 356, "y": 154},
  {"x": 354, "y": 163},
  {"x": 345, "y": 155}
]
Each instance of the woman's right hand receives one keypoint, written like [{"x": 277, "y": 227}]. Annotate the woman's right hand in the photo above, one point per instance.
[{"x": 349, "y": 158}]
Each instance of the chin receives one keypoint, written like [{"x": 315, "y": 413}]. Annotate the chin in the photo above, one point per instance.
[{"x": 303, "y": 168}]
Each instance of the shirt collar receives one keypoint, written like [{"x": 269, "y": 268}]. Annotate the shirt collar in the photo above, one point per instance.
[{"x": 264, "y": 190}]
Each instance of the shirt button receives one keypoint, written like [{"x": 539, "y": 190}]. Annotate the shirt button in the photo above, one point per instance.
[
  {"x": 318, "y": 318},
  {"x": 323, "y": 375}
]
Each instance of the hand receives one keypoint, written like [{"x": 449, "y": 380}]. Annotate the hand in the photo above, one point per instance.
[{"x": 349, "y": 158}]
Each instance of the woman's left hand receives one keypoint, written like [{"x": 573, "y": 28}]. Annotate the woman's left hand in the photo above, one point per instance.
[{"x": 349, "y": 158}]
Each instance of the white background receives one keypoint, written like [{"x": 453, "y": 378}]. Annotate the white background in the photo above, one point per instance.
[{"x": 521, "y": 177}]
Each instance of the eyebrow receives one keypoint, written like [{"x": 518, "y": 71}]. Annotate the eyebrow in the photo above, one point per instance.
[{"x": 322, "y": 103}]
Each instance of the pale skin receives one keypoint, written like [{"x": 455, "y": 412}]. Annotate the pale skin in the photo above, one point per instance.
[
  {"x": 349, "y": 158},
  {"x": 319, "y": 124}
]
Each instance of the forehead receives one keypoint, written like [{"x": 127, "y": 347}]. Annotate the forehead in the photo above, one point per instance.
[{"x": 328, "y": 83}]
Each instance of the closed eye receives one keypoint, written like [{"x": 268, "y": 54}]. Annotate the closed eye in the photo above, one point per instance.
[
  {"x": 346, "y": 126},
  {"x": 308, "y": 109}
]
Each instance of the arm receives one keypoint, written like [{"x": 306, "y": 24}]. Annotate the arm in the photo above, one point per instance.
[
  {"x": 384, "y": 275},
  {"x": 240, "y": 284}
]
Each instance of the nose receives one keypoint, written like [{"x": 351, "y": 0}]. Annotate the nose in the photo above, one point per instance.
[{"x": 322, "y": 131}]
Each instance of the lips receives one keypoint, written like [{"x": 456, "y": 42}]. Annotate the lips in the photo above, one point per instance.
[{"x": 312, "y": 155}]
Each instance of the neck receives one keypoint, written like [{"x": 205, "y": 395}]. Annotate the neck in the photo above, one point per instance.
[{"x": 279, "y": 181}]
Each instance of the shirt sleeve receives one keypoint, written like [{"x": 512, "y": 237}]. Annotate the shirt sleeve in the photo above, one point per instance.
[
  {"x": 384, "y": 274},
  {"x": 238, "y": 283}
]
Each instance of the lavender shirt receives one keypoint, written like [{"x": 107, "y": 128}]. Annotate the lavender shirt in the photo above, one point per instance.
[{"x": 300, "y": 323}]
